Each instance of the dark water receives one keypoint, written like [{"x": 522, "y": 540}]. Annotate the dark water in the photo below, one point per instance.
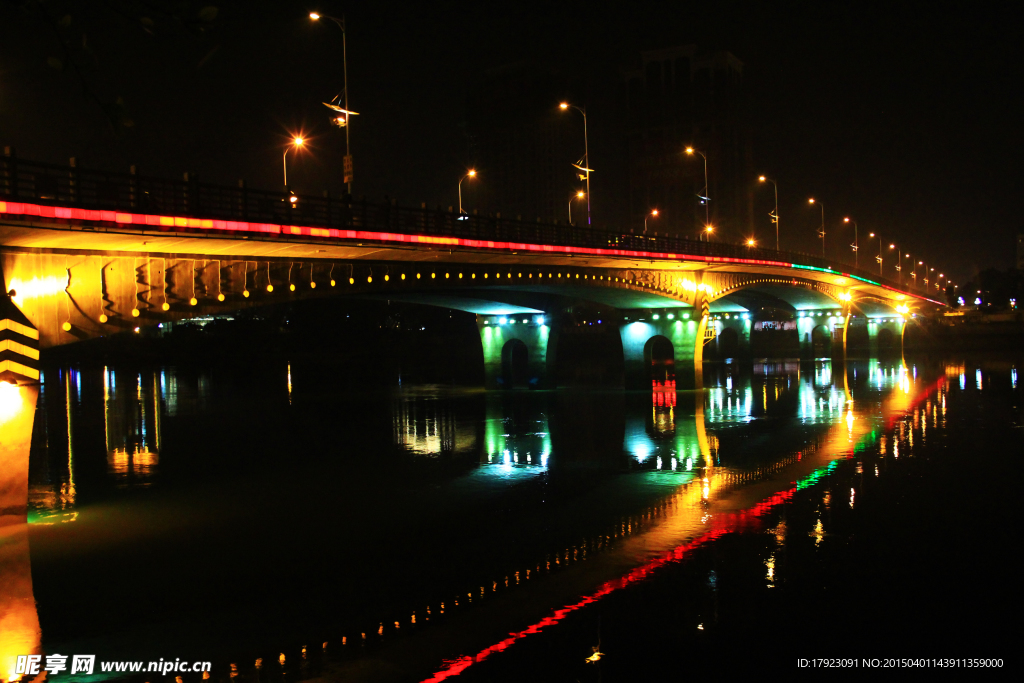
[{"x": 274, "y": 513}]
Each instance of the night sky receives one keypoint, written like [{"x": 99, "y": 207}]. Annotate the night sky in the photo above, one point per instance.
[{"x": 907, "y": 119}]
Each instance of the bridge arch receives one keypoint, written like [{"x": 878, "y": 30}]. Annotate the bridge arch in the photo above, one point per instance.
[
  {"x": 659, "y": 358},
  {"x": 515, "y": 359}
]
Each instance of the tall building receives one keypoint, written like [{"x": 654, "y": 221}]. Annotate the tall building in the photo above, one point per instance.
[{"x": 679, "y": 97}]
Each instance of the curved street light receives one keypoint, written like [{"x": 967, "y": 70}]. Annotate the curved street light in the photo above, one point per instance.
[
  {"x": 775, "y": 216},
  {"x": 822, "y": 231},
  {"x": 704, "y": 197},
  {"x": 297, "y": 142},
  {"x": 856, "y": 244},
  {"x": 578, "y": 195},
  {"x": 654, "y": 213},
  {"x": 471, "y": 174},
  {"x": 316, "y": 16},
  {"x": 564, "y": 106}
]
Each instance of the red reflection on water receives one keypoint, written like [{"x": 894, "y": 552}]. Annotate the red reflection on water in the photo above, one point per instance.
[
  {"x": 744, "y": 520},
  {"x": 663, "y": 394}
]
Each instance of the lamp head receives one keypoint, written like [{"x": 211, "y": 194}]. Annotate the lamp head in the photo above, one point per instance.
[
  {"x": 892, "y": 246},
  {"x": 871, "y": 235},
  {"x": 709, "y": 228},
  {"x": 563, "y": 105},
  {"x": 472, "y": 174},
  {"x": 689, "y": 150},
  {"x": 762, "y": 179},
  {"x": 580, "y": 194},
  {"x": 298, "y": 142},
  {"x": 811, "y": 200},
  {"x": 314, "y": 16},
  {"x": 750, "y": 242},
  {"x": 654, "y": 212},
  {"x": 846, "y": 220}
]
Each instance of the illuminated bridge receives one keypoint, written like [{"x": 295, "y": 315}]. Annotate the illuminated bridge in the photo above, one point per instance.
[{"x": 86, "y": 253}]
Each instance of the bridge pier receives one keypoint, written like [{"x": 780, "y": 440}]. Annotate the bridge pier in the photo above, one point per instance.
[
  {"x": 517, "y": 352},
  {"x": 686, "y": 337},
  {"x": 885, "y": 335},
  {"x": 732, "y": 338}
]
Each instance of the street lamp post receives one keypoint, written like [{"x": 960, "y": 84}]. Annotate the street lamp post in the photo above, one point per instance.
[
  {"x": 297, "y": 142},
  {"x": 471, "y": 174},
  {"x": 586, "y": 150},
  {"x": 578, "y": 195},
  {"x": 879, "y": 257},
  {"x": 706, "y": 198},
  {"x": 822, "y": 232},
  {"x": 775, "y": 216},
  {"x": 315, "y": 16},
  {"x": 899, "y": 264},
  {"x": 654, "y": 213},
  {"x": 856, "y": 243}
]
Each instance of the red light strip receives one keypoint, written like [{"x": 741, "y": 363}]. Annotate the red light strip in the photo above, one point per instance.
[{"x": 147, "y": 220}]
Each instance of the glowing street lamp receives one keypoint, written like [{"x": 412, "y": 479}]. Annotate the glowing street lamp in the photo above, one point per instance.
[
  {"x": 856, "y": 244},
  {"x": 585, "y": 165},
  {"x": 316, "y": 16},
  {"x": 654, "y": 213},
  {"x": 578, "y": 195},
  {"x": 471, "y": 174},
  {"x": 751, "y": 242},
  {"x": 708, "y": 229},
  {"x": 297, "y": 142},
  {"x": 899, "y": 264},
  {"x": 704, "y": 197},
  {"x": 879, "y": 257},
  {"x": 775, "y": 216},
  {"x": 822, "y": 231}
]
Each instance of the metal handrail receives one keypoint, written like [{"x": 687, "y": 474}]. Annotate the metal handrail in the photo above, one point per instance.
[{"x": 53, "y": 184}]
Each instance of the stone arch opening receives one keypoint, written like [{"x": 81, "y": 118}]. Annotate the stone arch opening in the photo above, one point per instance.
[
  {"x": 728, "y": 343},
  {"x": 886, "y": 341},
  {"x": 821, "y": 342},
  {"x": 659, "y": 359},
  {"x": 515, "y": 360}
]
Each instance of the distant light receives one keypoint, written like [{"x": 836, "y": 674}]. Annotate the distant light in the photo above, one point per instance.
[
  {"x": 811, "y": 200},
  {"x": 655, "y": 316},
  {"x": 762, "y": 179},
  {"x": 686, "y": 316},
  {"x": 136, "y": 329},
  {"x": 160, "y": 325},
  {"x": 540, "y": 320},
  {"x": 472, "y": 174},
  {"x": 580, "y": 194},
  {"x": 745, "y": 316},
  {"x": 563, "y": 105},
  {"x": 314, "y": 16},
  {"x": 502, "y": 321},
  {"x": 671, "y": 317},
  {"x": 689, "y": 150},
  {"x": 846, "y": 220},
  {"x": 293, "y": 199},
  {"x": 512, "y": 322},
  {"x": 298, "y": 141},
  {"x": 750, "y": 242},
  {"x": 654, "y": 212}
]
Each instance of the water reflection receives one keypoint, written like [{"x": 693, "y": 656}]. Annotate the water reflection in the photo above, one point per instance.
[{"x": 673, "y": 470}]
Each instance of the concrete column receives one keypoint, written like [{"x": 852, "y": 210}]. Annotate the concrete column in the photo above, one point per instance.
[
  {"x": 741, "y": 328},
  {"x": 805, "y": 330},
  {"x": 686, "y": 336},
  {"x": 496, "y": 337},
  {"x": 19, "y": 622}
]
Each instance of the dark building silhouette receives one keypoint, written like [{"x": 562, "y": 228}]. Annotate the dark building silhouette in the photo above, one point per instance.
[{"x": 678, "y": 97}]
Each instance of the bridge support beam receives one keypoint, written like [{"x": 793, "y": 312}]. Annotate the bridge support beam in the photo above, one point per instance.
[
  {"x": 516, "y": 354},
  {"x": 686, "y": 337}
]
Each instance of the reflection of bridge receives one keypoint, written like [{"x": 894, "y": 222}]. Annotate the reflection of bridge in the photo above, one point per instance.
[{"x": 86, "y": 254}]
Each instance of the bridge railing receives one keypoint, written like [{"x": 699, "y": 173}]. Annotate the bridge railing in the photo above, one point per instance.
[{"x": 22, "y": 180}]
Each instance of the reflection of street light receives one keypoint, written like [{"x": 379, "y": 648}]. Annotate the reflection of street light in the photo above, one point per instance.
[
  {"x": 578, "y": 195},
  {"x": 471, "y": 174},
  {"x": 775, "y": 216},
  {"x": 856, "y": 244},
  {"x": 344, "y": 67},
  {"x": 654, "y": 212},
  {"x": 297, "y": 142},
  {"x": 822, "y": 232},
  {"x": 704, "y": 198},
  {"x": 586, "y": 151}
]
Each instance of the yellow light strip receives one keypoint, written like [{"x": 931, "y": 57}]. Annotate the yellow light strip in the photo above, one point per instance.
[
  {"x": 18, "y": 369},
  {"x": 15, "y": 326},
  {"x": 11, "y": 345}
]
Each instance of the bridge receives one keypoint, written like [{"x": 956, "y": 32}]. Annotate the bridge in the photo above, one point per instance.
[{"x": 88, "y": 253}]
